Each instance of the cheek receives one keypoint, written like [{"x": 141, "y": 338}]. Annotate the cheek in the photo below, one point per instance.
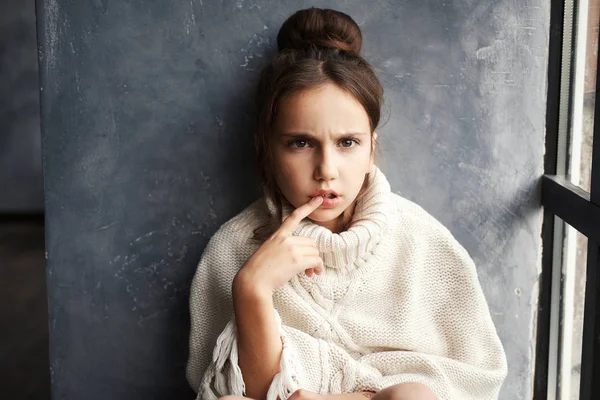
[
  {"x": 290, "y": 175},
  {"x": 355, "y": 170},
  {"x": 286, "y": 170},
  {"x": 293, "y": 165},
  {"x": 359, "y": 161}
]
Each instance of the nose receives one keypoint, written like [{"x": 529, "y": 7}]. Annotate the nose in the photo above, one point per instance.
[{"x": 326, "y": 167}]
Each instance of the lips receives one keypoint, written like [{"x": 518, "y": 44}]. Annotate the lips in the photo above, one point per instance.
[
  {"x": 327, "y": 194},
  {"x": 331, "y": 199}
]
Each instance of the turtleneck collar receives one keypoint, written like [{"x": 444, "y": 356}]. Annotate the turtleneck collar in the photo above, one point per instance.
[{"x": 369, "y": 223}]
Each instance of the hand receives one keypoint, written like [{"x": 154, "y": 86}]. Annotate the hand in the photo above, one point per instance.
[{"x": 283, "y": 255}]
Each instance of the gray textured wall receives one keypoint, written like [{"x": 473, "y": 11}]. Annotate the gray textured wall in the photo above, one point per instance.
[
  {"x": 146, "y": 118},
  {"x": 21, "y": 186}
]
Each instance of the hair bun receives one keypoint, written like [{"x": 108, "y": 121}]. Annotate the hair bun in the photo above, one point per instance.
[{"x": 321, "y": 28}]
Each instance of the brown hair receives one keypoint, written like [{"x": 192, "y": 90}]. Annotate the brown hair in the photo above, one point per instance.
[{"x": 315, "y": 46}]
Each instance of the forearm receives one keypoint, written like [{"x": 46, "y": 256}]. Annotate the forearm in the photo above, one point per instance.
[{"x": 259, "y": 342}]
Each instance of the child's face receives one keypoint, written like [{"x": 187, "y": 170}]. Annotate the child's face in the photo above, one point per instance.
[{"x": 322, "y": 140}]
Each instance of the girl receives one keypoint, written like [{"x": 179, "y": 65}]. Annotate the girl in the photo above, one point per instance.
[{"x": 332, "y": 286}]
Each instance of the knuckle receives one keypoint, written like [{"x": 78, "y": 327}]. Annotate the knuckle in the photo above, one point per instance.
[
  {"x": 289, "y": 245},
  {"x": 278, "y": 236}
]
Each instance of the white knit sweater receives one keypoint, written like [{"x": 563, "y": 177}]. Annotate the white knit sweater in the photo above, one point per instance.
[{"x": 399, "y": 301}]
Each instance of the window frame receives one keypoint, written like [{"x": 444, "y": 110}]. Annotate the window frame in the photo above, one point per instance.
[{"x": 576, "y": 207}]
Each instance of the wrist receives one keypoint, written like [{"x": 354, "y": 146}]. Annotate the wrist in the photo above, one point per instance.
[{"x": 244, "y": 288}]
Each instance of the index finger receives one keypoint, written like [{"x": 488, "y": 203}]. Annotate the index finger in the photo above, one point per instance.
[{"x": 292, "y": 221}]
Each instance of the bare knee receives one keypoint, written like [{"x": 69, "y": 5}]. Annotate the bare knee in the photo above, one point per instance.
[
  {"x": 234, "y": 398},
  {"x": 406, "y": 391}
]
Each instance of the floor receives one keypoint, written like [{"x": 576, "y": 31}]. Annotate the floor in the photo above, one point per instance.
[{"x": 24, "y": 372}]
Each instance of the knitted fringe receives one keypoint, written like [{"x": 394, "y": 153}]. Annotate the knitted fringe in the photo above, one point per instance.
[
  {"x": 283, "y": 385},
  {"x": 225, "y": 349}
]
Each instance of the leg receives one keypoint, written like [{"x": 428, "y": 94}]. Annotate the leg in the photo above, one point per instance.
[
  {"x": 405, "y": 391},
  {"x": 235, "y": 398}
]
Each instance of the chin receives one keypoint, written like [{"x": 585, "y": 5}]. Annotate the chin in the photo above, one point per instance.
[{"x": 325, "y": 215}]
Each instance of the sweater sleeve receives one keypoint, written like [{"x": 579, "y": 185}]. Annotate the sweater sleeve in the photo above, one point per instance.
[
  {"x": 212, "y": 368},
  {"x": 457, "y": 353},
  {"x": 224, "y": 377},
  {"x": 306, "y": 362},
  {"x": 213, "y": 371}
]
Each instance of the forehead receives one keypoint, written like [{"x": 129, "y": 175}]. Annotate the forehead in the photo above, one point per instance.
[{"x": 322, "y": 110}]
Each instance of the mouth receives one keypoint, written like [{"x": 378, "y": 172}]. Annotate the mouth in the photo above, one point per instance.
[{"x": 327, "y": 194}]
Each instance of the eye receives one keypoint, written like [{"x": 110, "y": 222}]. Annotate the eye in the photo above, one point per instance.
[
  {"x": 348, "y": 142},
  {"x": 298, "y": 144}
]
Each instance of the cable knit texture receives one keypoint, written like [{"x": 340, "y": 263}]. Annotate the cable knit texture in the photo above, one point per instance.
[{"x": 399, "y": 301}]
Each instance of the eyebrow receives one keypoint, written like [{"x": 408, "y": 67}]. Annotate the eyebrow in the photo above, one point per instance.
[{"x": 308, "y": 135}]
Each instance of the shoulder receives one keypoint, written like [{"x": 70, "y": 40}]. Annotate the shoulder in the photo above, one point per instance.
[
  {"x": 410, "y": 212},
  {"x": 240, "y": 228},
  {"x": 237, "y": 232},
  {"x": 436, "y": 258},
  {"x": 229, "y": 248},
  {"x": 414, "y": 222}
]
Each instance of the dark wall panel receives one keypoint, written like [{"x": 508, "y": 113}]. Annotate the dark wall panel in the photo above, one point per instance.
[{"x": 21, "y": 186}]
